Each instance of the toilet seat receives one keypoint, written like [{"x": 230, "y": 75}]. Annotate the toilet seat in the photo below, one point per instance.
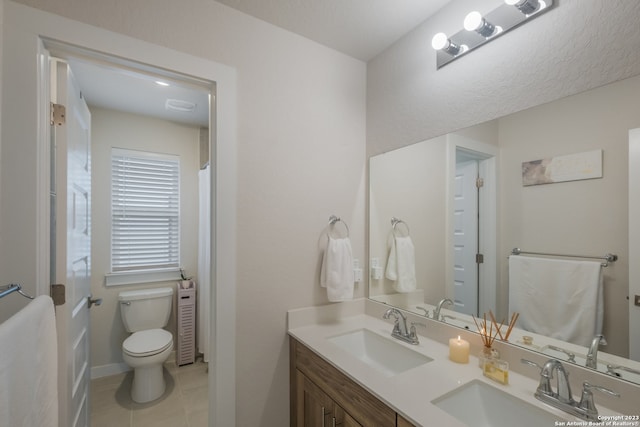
[{"x": 147, "y": 343}]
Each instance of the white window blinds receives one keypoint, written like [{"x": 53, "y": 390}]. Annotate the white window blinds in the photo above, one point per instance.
[{"x": 145, "y": 211}]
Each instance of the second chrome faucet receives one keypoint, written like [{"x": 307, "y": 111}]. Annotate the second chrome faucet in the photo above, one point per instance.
[{"x": 562, "y": 397}]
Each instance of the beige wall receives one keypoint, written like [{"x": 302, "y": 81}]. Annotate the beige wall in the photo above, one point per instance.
[
  {"x": 581, "y": 217},
  {"x": 301, "y": 158},
  {"x": 130, "y": 131},
  {"x": 410, "y": 184},
  {"x": 576, "y": 46}
]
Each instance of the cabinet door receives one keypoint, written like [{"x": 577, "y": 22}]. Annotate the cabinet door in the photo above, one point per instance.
[
  {"x": 314, "y": 406},
  {"x": 403, "y": 423},
  {"x": 343, "y": 419}
]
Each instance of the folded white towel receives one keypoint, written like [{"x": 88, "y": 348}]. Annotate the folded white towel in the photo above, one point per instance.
[
  {"x": 557, "y": 298},
  {"x": 29, "y": 367},
  {"x": 336, "y": 273},
  {"x": 401, "y": 265}
]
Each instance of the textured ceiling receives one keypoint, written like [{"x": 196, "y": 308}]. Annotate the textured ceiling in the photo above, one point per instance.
[{"x": 359, "y": 28}]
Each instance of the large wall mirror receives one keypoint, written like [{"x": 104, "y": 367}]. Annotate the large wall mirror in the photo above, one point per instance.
[{"x": 430, "y": 189}]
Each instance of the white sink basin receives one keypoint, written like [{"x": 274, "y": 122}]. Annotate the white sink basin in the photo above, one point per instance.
[
  {"x": 478, "y": 404},
  {"x": 382, "y": 353}
]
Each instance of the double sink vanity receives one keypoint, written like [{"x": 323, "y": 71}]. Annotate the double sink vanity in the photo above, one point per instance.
[{"x": 346, "y": 369}]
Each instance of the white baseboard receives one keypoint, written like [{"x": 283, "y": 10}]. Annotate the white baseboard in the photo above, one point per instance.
[{"x": 107, "y": 370}]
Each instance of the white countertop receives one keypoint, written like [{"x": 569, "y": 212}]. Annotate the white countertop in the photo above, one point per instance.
[{"x": 409, "y": 393}]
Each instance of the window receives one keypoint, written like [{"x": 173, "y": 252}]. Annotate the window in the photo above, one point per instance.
[{"x": 145, "y": 211}]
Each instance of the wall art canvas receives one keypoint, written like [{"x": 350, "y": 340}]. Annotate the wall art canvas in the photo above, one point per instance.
[{"x": 572, "y": 167}]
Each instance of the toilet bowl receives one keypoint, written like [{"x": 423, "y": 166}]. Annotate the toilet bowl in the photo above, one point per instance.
[
  {"x": 144, "y": 313},
  {"x": 146, "y": 352}
]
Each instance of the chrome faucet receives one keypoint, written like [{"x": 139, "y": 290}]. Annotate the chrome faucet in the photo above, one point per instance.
[
  {"x": 436, "y": 312},
  {"x": 400, "y": 330},
  {"x": 592, "y": 355},
  {"x": 562, "y": 398}
]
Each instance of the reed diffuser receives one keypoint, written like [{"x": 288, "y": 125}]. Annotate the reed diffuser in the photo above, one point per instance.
[
  {"x": 489, "y": 359},
  {"x": 487, "y": 334}
]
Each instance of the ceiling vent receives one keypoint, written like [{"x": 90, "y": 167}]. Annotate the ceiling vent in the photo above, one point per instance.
[{"x": 179, "y": 105}]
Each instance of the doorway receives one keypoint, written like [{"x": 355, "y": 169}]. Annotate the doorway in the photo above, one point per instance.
[
  {"x": 472, "y": 235},
  {"x": 159, "y": 114},
  {"x": 25, "y": 133}
]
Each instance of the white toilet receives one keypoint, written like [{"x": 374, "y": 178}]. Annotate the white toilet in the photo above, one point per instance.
[{"x": 145, "y": 313}]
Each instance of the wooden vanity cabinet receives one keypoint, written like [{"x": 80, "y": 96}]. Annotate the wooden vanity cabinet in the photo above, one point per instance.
[{"x": 322, "y": 396}]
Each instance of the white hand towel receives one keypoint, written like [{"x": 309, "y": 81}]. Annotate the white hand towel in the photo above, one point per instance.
[
  {"x": 401, "y": 265},
  {"x": 29, "y": 366},
  {"x": 557, "y": 298},
  {"x": 336, "y": 273}
]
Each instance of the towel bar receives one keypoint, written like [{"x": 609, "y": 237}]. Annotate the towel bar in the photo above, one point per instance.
[
  {"x": 14, "y": 288},
  {"x": 607, "y": 257}
]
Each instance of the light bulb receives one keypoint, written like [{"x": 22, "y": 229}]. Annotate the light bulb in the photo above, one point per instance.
[
  {"x": 526, "y": 6},
  {"x": 473, "y": 21},
  {"x": 439, "y": 41}
]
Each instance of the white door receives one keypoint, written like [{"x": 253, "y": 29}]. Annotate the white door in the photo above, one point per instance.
[
  {"x": 634, "y": 243},
  {"x": 72, "y": 199},
  {"x": 465, "y": 238}
]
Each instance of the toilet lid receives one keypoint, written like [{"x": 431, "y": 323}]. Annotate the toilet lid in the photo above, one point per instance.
[{"x": 147, "y": 343}]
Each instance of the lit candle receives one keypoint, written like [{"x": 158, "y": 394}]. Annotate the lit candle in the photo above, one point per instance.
[{"x": 459, "y": 350}]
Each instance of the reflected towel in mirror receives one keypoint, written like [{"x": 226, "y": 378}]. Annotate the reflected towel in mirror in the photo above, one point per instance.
[
  {"x": 336, "y": 273},
  {"x": 561, "y": 299},
  {"x": 401, "y": 265}
]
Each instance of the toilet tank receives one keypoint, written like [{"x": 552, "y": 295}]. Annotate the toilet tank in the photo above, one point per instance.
[{"x": 146, "y": 308}]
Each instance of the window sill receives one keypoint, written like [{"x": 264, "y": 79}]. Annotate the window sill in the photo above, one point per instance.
[{"x": 134, "y": 277}]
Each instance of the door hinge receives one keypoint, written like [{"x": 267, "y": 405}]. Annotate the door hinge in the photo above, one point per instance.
[
  {"x": 58, "y": 294},
  {"x": 479, "y": 182},
  {"x": 58, "y": 114},
  {"x": 479, "y": 258}
]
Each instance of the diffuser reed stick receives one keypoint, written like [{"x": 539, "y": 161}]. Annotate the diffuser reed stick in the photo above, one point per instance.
[
  {"x": 486, "y": 334},
  {"x": 512, "y": 323},
  {"x": 493, "y": 321}
]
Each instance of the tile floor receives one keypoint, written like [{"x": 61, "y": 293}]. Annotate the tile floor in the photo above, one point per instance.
[{"x": 184, "y": 403}]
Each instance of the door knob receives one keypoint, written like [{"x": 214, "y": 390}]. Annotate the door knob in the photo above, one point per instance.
[{"x": 96, "y": 301}]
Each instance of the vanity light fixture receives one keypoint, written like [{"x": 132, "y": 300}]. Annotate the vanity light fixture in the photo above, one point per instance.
[{"x": 480, "y": 28}]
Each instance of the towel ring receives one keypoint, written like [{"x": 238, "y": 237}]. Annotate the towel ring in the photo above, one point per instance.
[
  {"x": 394, "y": 223},
  {"x": 332, "y": 222}
]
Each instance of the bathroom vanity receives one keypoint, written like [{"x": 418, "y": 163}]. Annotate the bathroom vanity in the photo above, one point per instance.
[{"x": 347, "y": 370}]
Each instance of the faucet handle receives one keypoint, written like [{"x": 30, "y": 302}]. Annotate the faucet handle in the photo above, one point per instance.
[
  {"x": 529, "y": 362},
  {"x": 586, "y": 401},
  {"x": 412, "y": 331},
  {"x": 426, "y": 312}
]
